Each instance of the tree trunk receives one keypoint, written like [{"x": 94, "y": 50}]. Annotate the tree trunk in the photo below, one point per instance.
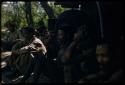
[
  {"x": 48, "y": 9},
  {"x": 28, "y": 14},
  {"x": 16, "y": 13}
]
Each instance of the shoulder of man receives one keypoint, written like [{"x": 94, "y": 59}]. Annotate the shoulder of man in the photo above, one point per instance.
[{"x": 18, "y": 45}]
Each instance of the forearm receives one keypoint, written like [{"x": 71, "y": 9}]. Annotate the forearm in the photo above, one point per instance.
[
  {"x": 68, "y": 52},
  {"x": 20, "y": 51}
]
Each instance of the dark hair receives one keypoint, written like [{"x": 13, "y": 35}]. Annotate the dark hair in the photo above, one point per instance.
[
  {"x": 70, "y": 20},
  {"x": 28, "y": 30},
  {"x": 108, "y": 45}
]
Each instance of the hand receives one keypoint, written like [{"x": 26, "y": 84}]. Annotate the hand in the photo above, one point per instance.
[
  {"x": 31, "y": 48},
  {"x": 78, "y": 35}
]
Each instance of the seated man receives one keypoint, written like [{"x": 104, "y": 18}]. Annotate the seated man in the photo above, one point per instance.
[
  {"x": 11, "y": 37},
  {"x": 27, "y": 53},
  {"x": 71, "y": 35},
  {"x": 109, "y": 71}
]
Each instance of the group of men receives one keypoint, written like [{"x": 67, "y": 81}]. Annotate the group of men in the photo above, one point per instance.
[{"x": 66, "y": 55}]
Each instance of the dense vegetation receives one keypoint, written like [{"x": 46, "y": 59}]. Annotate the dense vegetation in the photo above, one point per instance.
[{"x": 28, "y": 13}]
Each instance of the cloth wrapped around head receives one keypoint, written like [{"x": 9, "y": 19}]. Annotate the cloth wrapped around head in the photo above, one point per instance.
[{"x": 70, "y": 20}]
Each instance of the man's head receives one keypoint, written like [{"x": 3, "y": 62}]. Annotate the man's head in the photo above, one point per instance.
[
  {"x": 27, "y": 32},
  {"x": 102, "y": 52},
  {"x": 67, "y": 24},
  {"x": 11, "y": 25}
]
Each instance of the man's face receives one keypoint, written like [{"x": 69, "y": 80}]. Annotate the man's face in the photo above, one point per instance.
[
  {"x": 102, "y": 54},
  {"x": 60, "y": 36}
]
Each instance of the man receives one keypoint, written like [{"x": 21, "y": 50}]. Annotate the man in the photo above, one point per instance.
[
  {"x": 52, "y": 51},
  {"x": 29, "y": 54},
  {"x": 12, "y": 36},
  {"x": 71, "y": 35},
  {"x": 108, "y": 66},
  {"x": 108, "y": 71}
]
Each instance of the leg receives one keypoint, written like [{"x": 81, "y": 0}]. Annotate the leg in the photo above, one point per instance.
[
  {"x": 40, "y": 62},
  {"x": 28, "y": 71}
]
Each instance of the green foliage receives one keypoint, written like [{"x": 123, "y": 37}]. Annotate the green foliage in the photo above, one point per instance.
[{"x": 10, "y": 12}]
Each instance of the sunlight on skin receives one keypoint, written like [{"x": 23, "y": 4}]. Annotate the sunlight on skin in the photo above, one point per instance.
[{"x": 3, "y": 64}]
